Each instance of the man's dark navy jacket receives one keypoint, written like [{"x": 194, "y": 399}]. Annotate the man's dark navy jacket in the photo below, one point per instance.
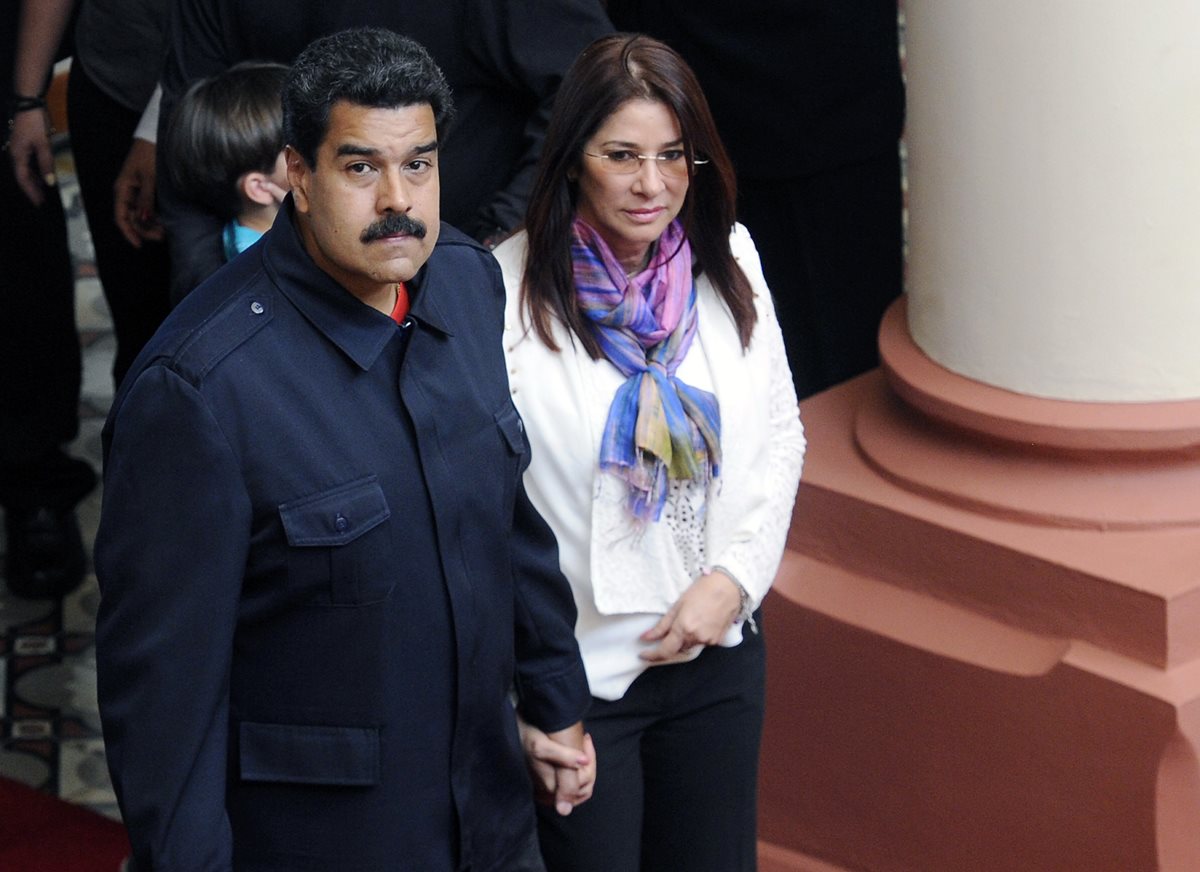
[{"x": 321, "y": 577}]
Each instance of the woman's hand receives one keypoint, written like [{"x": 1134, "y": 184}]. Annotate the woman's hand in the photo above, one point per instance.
[
  {"x": 32, "y": 157},
  {"x": 562, "y": 763},
  {"x": 699, "y": 617}
]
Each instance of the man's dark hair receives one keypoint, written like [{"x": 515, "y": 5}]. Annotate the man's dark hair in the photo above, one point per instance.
[
  {"x": 368, "y": 66},
  {"x": 224, "y": 127}
]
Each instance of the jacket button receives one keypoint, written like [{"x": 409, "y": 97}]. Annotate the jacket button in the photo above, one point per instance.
[
  {"x": 257, "y": 308},
  {"x": 340, "y": 523}
]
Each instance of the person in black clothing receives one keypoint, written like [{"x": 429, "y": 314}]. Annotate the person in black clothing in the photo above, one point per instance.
[
  {"x": 809, "y": 100},
  {"x": 40, "y": 484},
  {"x": 502, "y": 58}
]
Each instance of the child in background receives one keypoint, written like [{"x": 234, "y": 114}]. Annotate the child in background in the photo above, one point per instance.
[{"x": 225, "y": 148}]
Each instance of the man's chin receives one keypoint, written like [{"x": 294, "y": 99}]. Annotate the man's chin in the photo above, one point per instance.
[
  {"x": 401, "y": 269},
  {"x": 407, "y": 262}
]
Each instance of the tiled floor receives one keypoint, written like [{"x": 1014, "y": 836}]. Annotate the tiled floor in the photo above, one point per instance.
[{"x": 49, "y": 727}]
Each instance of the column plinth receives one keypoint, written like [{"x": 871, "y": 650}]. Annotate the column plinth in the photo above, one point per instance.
[
  {"x": 1109, "y": 466},
  {"x": 962, "y": 682}
]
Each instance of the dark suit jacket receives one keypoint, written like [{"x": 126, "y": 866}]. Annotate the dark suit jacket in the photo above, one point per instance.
[{"x": 321, "y": 576}]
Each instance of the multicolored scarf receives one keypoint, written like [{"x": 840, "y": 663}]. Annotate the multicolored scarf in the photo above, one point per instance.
[{"x": 658, "y": 428}]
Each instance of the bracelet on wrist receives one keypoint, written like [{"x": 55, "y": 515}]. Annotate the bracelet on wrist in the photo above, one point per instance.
[
  {"x": 745, "y": 603},
  {"x": 18, "y": 103},
  {"x": 22, "y": 103}
]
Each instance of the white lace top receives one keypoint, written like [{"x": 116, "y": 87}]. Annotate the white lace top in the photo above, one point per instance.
[
  {"x": 684, "y": 517},
  {"x": 625, "y": 577}
]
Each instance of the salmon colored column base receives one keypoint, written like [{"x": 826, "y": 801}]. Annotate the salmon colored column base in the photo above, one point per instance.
[{"x": 984, "y": 640}]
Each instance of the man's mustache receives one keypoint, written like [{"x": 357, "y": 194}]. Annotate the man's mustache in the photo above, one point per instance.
[{"x": 391, "y": 225}]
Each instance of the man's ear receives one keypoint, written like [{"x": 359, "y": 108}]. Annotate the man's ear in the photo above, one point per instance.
[{"x": 298, "y": 174}]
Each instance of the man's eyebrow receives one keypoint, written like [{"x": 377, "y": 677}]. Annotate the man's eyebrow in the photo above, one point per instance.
[
  {"x": 360, "y": 150},
  {"x": 348, "y": 148}
]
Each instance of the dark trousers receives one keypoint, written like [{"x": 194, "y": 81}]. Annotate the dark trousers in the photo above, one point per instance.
[
  {"x": 831, "y": 247},
  {"x": 677, "y": 764},
  {"x": 39, "y": 349},
  {"x": 135, "y": 280}
]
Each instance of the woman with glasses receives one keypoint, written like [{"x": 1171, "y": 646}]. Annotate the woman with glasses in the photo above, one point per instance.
[{"x": 647, "y": 364}]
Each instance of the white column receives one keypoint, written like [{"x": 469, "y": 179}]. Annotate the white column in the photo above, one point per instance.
[{"x": 1054, "y": 194}]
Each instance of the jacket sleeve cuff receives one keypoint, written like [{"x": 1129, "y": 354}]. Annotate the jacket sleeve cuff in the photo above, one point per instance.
[{"x": 557, "y": 701}]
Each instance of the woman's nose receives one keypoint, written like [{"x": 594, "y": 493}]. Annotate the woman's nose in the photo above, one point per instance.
[{"x": 649, "y": 176}]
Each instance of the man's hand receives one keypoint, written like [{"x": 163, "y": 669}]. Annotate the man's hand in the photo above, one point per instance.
[
  {"x": 562, "y": 763},
  {"x": 133, "y": 196},
  {"x": 699, "y": 617},
  {"x": 32, "y": 158}
]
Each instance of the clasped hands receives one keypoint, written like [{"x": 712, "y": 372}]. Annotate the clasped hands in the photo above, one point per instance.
[{"x": 563, "y": 763}]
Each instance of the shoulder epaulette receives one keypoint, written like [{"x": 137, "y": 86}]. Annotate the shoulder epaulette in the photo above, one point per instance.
[{"x": 235, "y": 321}]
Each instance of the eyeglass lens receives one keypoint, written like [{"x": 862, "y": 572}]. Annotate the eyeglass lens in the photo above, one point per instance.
[{"x": 670, "y": 163}]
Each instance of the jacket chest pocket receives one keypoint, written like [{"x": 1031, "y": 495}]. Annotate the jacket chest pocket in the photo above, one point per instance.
[
  {"x": 339, "y": 545},
  {"x": 512, "y": 435}
]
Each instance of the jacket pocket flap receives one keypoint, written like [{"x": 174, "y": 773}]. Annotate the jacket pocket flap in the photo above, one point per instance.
[
  {"x": 299, "y": 754},
  {"x": 512, "y": 427},
  {"x": 337, "y": 516}
]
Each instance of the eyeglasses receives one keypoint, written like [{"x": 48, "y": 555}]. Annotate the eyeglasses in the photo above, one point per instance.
[{"x": 672, "y": 162}]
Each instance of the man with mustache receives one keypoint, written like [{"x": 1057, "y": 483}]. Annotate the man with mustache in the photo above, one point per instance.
[{"x": 323, "y": 586}]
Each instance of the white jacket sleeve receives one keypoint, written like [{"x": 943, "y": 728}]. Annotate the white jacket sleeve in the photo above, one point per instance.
[{"x": 753, "y": 553}]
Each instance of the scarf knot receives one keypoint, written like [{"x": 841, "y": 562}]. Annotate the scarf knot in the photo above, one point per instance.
[{"x": 658, "y": 428}]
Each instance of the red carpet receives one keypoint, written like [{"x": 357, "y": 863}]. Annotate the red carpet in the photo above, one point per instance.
[{"x": 40, "y": 833}]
